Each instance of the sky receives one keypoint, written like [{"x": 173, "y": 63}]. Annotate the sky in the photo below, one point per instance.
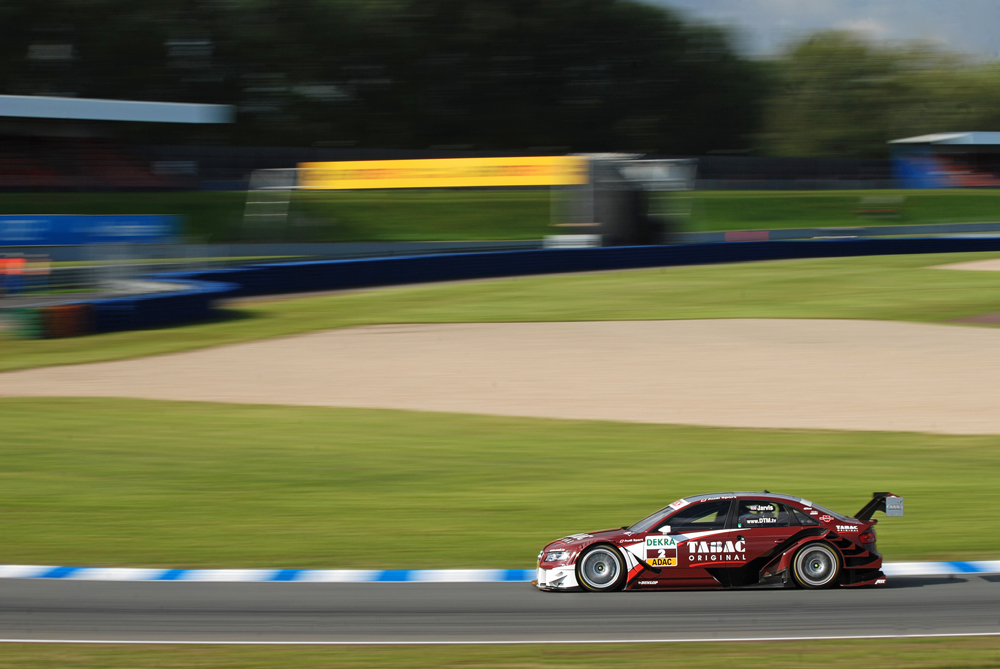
[{"x": 764, "y": 26}]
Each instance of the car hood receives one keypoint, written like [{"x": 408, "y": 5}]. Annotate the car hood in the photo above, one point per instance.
[{"x": 577, "y": 542}]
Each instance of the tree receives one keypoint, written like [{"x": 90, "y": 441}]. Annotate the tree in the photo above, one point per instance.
[
  {"x": 577, "y": 75},
  {"x": 836, "y": 94}
]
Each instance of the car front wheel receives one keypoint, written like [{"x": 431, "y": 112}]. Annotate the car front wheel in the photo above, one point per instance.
[
  {"x": 600, "y": 569},
  {"x": 816, "y": 566}
]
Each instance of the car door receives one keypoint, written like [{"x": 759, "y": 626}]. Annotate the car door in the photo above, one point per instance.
[
  {"x": 698, "y": 525},
  {"x": 762, "y": 526}
]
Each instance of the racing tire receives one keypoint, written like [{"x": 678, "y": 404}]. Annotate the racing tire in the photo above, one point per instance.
[
  {"x": 601, "y": 569},
  {"x": 816, "y": 566}
]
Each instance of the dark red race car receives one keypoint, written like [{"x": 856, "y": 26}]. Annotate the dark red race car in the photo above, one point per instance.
[{"x": 724, "y": 540}]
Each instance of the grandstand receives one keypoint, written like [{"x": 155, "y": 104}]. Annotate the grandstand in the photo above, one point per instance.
[
  {"x": 75, "y": 164},
  {"x": 948, "y": 160},
  {"x": 72, "y": 144}
]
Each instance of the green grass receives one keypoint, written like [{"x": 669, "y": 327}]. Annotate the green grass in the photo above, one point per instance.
[
  {"x": 108, "y": 482},
  {"x": 210, "y": 216},
  {"x": 883, "y": 288},
  {"x": 897, "y": 653},
  {"x": 416, "y": 215},
  {"x": 437, "y": 215},
  {"x": 745, "y": 210}
]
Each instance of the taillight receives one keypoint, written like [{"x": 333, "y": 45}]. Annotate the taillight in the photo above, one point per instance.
[{"x": 868, "y": 537}]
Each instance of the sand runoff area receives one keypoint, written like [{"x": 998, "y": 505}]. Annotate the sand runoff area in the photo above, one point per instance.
[
  {"x": 828, "y": 374},
  {"x": 988, "y": 265}
]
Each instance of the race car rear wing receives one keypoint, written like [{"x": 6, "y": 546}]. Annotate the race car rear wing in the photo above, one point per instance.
[{"x": 886, "y": 502}]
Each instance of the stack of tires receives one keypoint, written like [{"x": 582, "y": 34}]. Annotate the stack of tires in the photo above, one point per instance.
[{"x": 64, "y": 320}]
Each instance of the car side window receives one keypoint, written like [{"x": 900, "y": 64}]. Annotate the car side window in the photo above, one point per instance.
[
  {"x": 700, "y": 516},
  {"x": 800, "y": 517},
  {"x": 761, "y": 513}
]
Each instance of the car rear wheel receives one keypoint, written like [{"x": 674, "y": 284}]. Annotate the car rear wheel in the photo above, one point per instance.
[
  {"x": 600, "y": 569},
  {"x": 816, "y": 566}
]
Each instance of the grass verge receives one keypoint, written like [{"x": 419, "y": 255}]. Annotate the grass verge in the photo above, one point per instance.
[
  {"x": 110, "y": 482},
  {"x": 343, "y": 216},
  {"x": 880, "y": 288},
  {"x": 457, "y": 214},
  {"x": 968, "y": 652},
  {"x": 746, "y": 210}
]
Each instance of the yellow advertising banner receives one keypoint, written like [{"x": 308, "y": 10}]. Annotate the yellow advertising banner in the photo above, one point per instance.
[{"x": 444, "y": 173}]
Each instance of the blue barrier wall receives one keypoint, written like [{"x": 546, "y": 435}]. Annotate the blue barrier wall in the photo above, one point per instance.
[
  {"x": 58, "y": 230},
  {"x": 204, "y": 288},
  {"x": 370, "y": 272},
  {"x": 194, "y": 303}
]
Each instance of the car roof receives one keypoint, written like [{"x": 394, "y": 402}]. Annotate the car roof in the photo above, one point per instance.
[{"x": 739, "y": 495}]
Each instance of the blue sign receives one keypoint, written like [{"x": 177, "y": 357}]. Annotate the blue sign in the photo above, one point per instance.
[{"x": 71, "y": 230}]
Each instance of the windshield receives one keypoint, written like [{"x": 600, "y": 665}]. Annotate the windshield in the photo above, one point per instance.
[{"x": 650, "y": 520}]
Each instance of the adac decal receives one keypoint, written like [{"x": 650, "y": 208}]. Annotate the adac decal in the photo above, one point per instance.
[
  {"x": 701, "y": 552},
  {"x": 661, "y": 551}
]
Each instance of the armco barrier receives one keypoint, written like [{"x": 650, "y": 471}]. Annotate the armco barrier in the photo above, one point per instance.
[{"x": 370, "y": 272}]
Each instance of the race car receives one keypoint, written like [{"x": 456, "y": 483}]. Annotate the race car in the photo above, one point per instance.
[{"x": 724, "y": 540}]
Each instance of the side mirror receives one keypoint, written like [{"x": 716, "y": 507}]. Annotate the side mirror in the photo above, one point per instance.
[{"x": 665, "y": 529}]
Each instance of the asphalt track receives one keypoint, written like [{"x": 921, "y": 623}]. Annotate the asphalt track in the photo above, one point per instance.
[{"x": 483, "y": 612}]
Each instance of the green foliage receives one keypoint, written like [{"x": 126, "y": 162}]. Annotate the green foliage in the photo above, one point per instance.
[
  {"x": 556, "y": 75},
  {"x": 838, "y": 95},
  {"x": 490, "y": 74}
]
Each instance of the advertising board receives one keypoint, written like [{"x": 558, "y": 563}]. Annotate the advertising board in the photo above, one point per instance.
[
  {"x": 444, "y": 173},
  {"x": 65, "y": 230}
]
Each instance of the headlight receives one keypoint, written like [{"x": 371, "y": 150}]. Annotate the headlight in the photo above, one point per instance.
[{"x": 556, "y": 556}]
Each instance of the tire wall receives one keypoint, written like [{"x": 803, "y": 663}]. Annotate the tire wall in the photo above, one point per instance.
[{"x": 194, "y": 303}]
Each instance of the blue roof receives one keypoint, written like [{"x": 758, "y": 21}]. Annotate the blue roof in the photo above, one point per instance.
[
  {"x": 92, "y": 109},
  {"x": 971, "y": 138}
]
